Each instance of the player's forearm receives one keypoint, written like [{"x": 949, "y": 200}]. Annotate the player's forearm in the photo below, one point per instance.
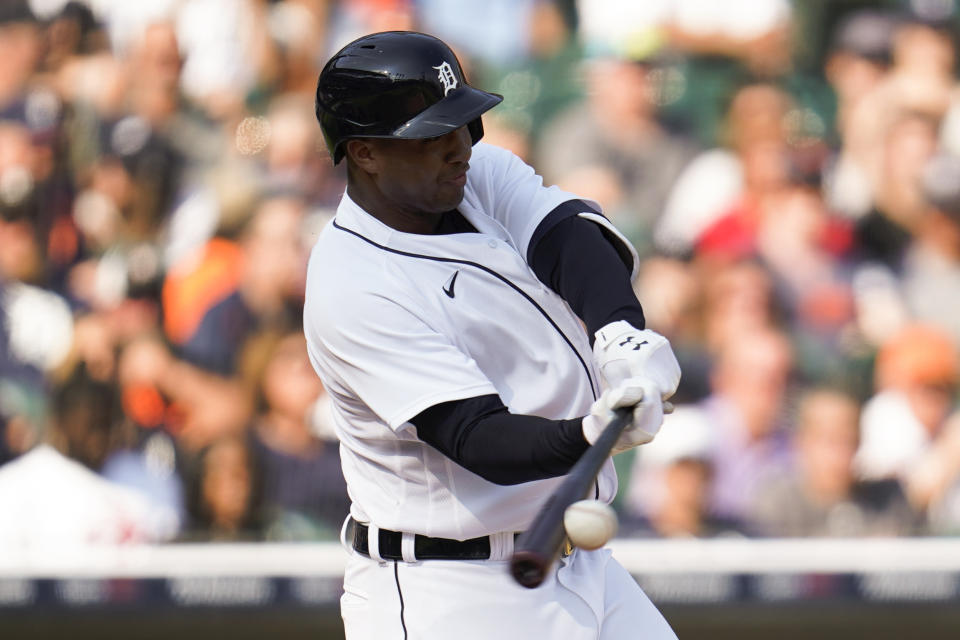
[
  {"x": 577, "y": 261},
  {"x": 480, "y": 435}
]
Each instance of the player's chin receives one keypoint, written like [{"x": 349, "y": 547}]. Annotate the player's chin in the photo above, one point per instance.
[{"x": 449, "y": 196}]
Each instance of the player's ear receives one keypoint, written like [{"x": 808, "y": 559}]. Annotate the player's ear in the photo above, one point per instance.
[{"x": 362, "y": 153}]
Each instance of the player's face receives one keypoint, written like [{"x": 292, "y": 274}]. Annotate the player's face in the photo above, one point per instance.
[{"x": 424, "y": 177}]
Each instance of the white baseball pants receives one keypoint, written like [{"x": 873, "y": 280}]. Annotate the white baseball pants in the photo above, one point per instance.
[{"x": 588, "y": 595}]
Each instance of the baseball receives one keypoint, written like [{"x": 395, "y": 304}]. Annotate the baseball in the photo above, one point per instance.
[{"x": 590, "y": 524}]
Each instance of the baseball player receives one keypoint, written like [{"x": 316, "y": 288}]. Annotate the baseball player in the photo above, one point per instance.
[{"x": 445, "y": 313}]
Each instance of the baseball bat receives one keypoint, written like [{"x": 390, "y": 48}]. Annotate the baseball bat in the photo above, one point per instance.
[{"x": 538, "y": 546}]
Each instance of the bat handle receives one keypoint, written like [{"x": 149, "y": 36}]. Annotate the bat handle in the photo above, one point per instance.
[{"x": 529, "y": 568}]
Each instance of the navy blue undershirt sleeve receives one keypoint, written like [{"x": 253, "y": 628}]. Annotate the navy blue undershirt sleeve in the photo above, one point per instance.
[
  {"x": 580, "y": 263},
  {"x": 480, "y": 435}
]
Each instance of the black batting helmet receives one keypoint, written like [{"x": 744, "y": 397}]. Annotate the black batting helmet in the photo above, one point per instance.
[{"x": 396, "y": 84}]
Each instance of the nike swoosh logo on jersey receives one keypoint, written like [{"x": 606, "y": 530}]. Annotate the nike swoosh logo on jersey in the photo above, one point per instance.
[{"x": 448, "y": 289}]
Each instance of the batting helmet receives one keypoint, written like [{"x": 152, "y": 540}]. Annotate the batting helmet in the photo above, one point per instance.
[{"x": 396, "y": 84}]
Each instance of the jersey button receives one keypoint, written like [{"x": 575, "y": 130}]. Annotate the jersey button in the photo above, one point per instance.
[{"x": 492, "y": 244}]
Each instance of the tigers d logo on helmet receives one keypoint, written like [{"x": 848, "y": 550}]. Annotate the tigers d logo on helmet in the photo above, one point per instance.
[{"x": 446, "y": 77}]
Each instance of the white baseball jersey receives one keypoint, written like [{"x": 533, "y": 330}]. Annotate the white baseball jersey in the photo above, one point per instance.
[{"x": 398, "y": 322}]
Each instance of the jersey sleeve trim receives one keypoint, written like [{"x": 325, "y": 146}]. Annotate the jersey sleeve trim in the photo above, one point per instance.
[{"x": 623, "y": 246}]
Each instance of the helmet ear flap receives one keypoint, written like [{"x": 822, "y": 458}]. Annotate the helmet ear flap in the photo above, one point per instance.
[{"x": 475, "y": 127}]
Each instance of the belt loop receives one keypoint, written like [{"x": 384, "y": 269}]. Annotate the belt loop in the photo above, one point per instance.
[
  {"x": 407, "y": 547},
  {"x": 501, "y": 545},
  {"x": 373, "y": 542},
  {"x": 343, "y": 533}
]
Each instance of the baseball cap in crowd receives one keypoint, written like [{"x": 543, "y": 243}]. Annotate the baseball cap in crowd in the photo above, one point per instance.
[
  {"x": 866, "y": 33},
  {"x": 686, "y": 434},
  {"x": 917, "y": 355},
  {"x": 941, "y": 184},
  {"x": 145, "y": 155}
]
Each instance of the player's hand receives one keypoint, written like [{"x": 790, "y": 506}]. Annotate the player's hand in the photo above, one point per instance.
[
  {"x": 622, "y": 351},
  {"x": 640, "y": 393}
]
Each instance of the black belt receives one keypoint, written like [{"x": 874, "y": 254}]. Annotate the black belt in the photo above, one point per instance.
[{"x": 424, "y": 547}]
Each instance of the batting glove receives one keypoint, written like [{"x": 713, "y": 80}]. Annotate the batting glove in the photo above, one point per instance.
[
  {"x": 622, "y": 351},
  {"x": 640, "y": 393}
]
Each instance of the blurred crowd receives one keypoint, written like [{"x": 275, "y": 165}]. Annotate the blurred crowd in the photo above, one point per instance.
[{"x": 789, "y": 172}]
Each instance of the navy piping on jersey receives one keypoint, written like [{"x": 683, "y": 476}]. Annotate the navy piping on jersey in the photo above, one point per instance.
[
  {"x": 502, "y": 278},
  {"x": 396, "y": 579}
]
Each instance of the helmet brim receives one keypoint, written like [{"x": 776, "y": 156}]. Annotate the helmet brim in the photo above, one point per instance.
[{"x": 462, "y": 106}]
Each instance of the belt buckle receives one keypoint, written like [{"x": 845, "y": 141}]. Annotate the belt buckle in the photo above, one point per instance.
[{"x": 567, "y": 549}]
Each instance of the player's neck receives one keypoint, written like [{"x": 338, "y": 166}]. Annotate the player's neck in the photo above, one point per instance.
[{"x": 406, "y": 221}]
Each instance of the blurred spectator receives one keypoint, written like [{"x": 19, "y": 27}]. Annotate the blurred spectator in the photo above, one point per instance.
[
  {"x": 51, "y": 498},
  {"x": 808, "y": 253},
  {"x": 744, "y": 415},
  {"x": 857, "y": 62},
  {"x": 36, "y": 332},
  {"x": 304, "y": 490},
  {"x": 34, "y": 192},
  {"x": 858, "y": 59},
  {"x": 71, "y": 31},
  {"x": 154, "y": 94},
  {"x": 943, "y": 512},
  {"x": 538, "y": 86},
  {"x": 350, "y": 20},
  {"x": 728, "y": 186},
  {"x": 884, "y": 233},
  {"x": 706, "y": 306},
  {"x": 745, "y": 409},
  {"x": 214, "y": 301},
  {"x": 724, "y": 45},
  {"x": 756, "y": 35},
  {"x": 85, "y": 73},
  {"x": 629, "y": 28},
  {"x": 903, "y": 432},
  {"x": 196, "y": 406},
  {"x": 719, "y": 45},
  {"x": 675, "y": 474},
  {"x": 738, "y": 300},
  {"x": 303, "y": 34},
  {"x": 804, "y": 247},
  {"x": 55, "y": 504},
  {"x": 821, "y": 495},
  {"x": 290, "y": 162},
  {"x": 143, "y": 151},
  {"x": 217, "y": 297},
  {"x": 21, "y": 45},
  {"x": 890, "y": 133},
  {"x": 149, "y": 466},
  {"x": 613, "y": 148},
  {"x": 932, "y": 263},
  {"x": 86, "y": 413},
  {"x": 226, "y": 493},
  {"x": 493, "y": 32},
  {"x": 228, "y": 51},
  {"x": 669, "y": 291}
]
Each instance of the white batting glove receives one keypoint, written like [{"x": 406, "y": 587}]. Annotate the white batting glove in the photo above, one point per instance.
[
  {"x": 622, "y": 351},
  {"x": 640, "y": 393}
]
